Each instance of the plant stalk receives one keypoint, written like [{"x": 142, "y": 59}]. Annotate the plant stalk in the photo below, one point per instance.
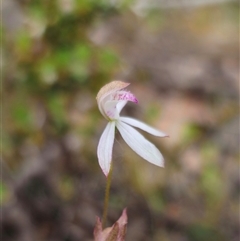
[{"x": 106, "y": 200}]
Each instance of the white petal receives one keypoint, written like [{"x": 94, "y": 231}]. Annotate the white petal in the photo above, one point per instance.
[
  {"x": 105, "y": 146},
  {"x": 113, "y": 108},
  {"x": 110, "y": 109},
  {"x": 120, "y": 105},
  {"x": 139, "y": 144},
  {"x": 143, "y": 126}
]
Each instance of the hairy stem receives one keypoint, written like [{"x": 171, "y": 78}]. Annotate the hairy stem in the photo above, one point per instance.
[{"x": 106, "y": 200}]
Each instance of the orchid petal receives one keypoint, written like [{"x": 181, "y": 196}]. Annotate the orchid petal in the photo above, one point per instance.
[
  {"x": 120, "y": 105},
  {"x": 106, "y": 91},
  {"x": 111, "y": 88},
  {"x": 111, "y": 110},
  {"x": 112, "y": 98},
  {"x": 143, "y": 126},
  {"x": 105, "y": 146},
  {"x": 139, "y": 144}
]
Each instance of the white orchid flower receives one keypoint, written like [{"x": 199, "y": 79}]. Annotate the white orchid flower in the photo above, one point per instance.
[{"x": 111, "y": 99}]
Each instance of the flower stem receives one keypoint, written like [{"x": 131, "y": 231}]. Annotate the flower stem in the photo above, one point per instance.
[{"x": 106, "y": 200}]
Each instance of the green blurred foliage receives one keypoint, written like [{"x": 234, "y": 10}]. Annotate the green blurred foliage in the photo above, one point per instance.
[
  {"x": 200, "y": 232},
  {"x": 59, "y": 61},
  {"x": 191, "y": 133},
  {"x": 5, "y": 193}
]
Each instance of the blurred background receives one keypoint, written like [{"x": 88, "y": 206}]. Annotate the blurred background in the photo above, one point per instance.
[{"x": 182, "y": 60}]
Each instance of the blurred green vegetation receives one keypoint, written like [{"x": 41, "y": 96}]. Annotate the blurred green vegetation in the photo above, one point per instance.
[
  {"x": 4, "y": 193},
  {"x": 51, "y": 61}
]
